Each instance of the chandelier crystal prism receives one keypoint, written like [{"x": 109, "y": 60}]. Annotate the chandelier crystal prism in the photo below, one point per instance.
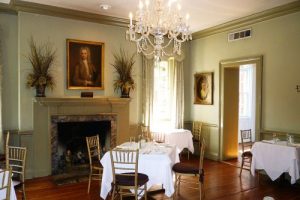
[{"x": 159, "y": 28}]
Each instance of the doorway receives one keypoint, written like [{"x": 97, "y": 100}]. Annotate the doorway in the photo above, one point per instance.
[
  {"x": 247, "y": 102},
  {"x": 232, "y": 116}
]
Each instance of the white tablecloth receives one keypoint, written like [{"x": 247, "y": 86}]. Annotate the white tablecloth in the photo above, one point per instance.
[
  {"x": 276, "y": 159},
  {"x": 182, "y": 138},
  {"x": 155, "y": 160},
  {"x": 12, "y": 190}
]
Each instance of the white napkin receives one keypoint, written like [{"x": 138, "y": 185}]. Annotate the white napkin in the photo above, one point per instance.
[
  {"x": 268, "y": 141},
  {"x": 295, "y": 144},
  {"x": 128, "y": 145}
]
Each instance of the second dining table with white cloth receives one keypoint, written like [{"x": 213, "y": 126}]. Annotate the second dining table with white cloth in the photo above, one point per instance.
[
  {"x": 155, "y": 160},
  {"x": 182, "y": 138},
  {"x": 276, "y": 158},
  {"x": 12, "y": 189}
]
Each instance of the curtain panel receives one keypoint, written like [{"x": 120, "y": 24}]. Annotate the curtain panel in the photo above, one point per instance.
[{"x": 177, "y": 91}]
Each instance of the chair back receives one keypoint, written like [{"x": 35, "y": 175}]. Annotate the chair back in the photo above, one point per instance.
[
  {"x": 16, "y": 161},
  {"x": 246, "y": 138},
  {"x": 5, "y": 182},
  {"x": 93, "y": 147},
  {"x": 124, "y": 163},
  {"x": 196, "y": 130}
]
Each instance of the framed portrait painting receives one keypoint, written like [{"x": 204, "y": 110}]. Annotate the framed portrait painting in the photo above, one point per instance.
[
  {"x": 85, "y": 65},
  {"x": 203, "y": 88}
]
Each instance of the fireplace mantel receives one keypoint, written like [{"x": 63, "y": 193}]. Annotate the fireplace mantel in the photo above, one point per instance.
[
  {"x": 46, "y": 107},
  {"x": 60, "y": 101}
]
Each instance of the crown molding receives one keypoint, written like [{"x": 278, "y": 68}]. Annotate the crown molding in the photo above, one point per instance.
[
  {"x": 6, "y": 8},
  {"x": 18, "y": 5},
  {"x": 251, "y": 19}
]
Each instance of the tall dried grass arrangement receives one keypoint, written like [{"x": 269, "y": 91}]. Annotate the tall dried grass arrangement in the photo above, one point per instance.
[
  {"x": 41, "y": 58},
  {"x": 123, "y": 65}
]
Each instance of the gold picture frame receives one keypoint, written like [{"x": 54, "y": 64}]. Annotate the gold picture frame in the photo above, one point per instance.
[
  {"x": 203, "y": 88},
  {"x": 85, "y": 65}
]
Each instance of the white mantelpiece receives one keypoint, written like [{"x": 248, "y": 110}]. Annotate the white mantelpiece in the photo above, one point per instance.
[
  {"x": 44, "y": 108},
  {"x": 60, "y": 101}
]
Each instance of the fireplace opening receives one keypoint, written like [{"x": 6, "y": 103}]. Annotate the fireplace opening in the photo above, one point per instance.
[{"x": 72, "y": 155}]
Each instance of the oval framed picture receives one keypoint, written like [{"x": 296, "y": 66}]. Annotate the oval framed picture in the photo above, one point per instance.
[{"x": 203, "y": 88}]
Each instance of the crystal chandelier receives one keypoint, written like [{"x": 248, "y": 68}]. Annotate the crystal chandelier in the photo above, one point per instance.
[{"x": 158, "y": 27}]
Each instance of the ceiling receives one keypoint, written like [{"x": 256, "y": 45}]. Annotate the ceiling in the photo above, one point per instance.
[{"x": 203, "y": 13}]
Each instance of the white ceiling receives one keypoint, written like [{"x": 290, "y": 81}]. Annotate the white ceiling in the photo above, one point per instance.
[{"x": 203, "y": 13}]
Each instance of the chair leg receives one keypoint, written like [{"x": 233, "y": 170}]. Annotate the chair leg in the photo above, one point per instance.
[
  {"x": 178, "y": 190},
  {"x": 145, "y": 192},
  {"x": 200, "y": 190},
  {"x": 188, "y": 154},
  {"x": 176, "y": 183},
  {"x": 89, "y": 184},
  {"x": 113, "y": 193},
  {"x": 136, "y": 194},
  {"x": 100, "y": 179},
  {"x": 242, "y": 166},
  {"x": 23, "y": 192}
]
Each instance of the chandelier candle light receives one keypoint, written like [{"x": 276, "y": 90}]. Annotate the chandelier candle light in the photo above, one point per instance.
[{"x": 157, "y": 26}]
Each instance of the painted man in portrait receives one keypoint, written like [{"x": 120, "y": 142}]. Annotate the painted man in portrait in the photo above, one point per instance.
[{"x": 85, "y": 71}]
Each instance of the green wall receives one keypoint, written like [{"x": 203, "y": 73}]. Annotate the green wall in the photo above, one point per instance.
[
  {"x": 9, "y": 79},
  {"x": 18, "y": 30},
  {"x": 277, "y": 40}
]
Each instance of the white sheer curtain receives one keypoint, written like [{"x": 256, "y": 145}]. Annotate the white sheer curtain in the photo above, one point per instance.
[
  {"x": 176, "y": 92},
  {"x": 147, "y": 90},
  {"x": 178, "y": 95}
]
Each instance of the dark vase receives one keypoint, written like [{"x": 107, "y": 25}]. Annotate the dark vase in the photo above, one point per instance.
[
  {"x": 40, "y": 90},
  {"x": 125, "y": 92}
]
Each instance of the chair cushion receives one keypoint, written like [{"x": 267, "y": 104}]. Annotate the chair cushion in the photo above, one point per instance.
[
  {"x": 185, "y": 168},
  {"x": 247, "y": 154},
  {"x": 129, "y": 180}
]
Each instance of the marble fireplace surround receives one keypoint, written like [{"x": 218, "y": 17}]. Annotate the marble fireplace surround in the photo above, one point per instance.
[
  {"x": 46, "y": 109},
  {"x": 55, "y": 119}
]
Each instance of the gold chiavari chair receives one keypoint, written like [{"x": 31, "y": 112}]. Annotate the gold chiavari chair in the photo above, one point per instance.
[
  {"x": 246, "y": 138},
  {"x": 197, "y": 129},
  {"x": 94, "y": 152},
  {"x": 16, "y": 160},
  {"x": 184, "y": 169},
  {"x": 125, "y": 174},
  {"x": 5, "y": 183}
]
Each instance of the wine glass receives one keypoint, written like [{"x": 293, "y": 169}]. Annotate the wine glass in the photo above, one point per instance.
[
  {"x": 274, "y": 135},
  {"x": 131, "y": 140}
]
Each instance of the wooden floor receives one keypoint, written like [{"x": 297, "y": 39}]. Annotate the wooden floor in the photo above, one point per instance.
[{"x": 222, "y": 181}]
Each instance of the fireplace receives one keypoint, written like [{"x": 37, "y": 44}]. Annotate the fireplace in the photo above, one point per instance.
[
  {"x": 68, "y": 145},
  {"x": 49, "y": 111}
]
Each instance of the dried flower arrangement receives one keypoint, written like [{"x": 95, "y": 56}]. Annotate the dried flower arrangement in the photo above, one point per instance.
[
  {"x": 123, "y": 65},
  {"x": 41, "y": 58}
]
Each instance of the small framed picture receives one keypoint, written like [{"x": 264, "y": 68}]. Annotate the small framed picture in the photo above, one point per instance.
[
  {"x": 85, "y": 65},
  {"x": 203, "y": 88}
]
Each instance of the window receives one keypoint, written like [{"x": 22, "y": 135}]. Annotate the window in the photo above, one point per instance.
[
  {"x": 162, "y": 94},
  {"x": 245, "y": 96}
]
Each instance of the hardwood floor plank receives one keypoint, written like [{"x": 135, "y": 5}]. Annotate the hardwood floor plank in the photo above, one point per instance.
[{"x": 222, "y": 182}]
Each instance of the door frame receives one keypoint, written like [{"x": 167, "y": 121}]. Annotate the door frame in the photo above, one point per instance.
[{"x": 258, "y": 60}]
